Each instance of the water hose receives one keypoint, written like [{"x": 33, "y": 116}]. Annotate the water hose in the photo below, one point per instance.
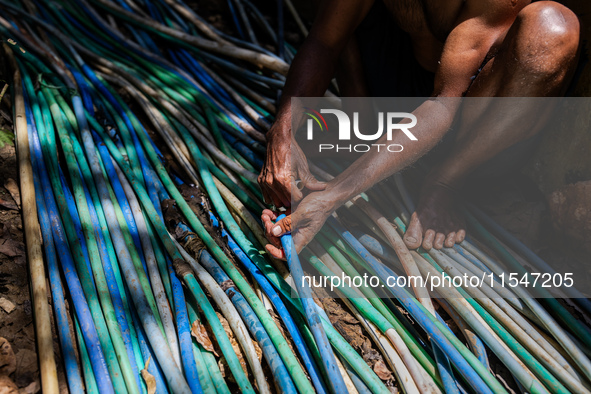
[{"x": 305, "y": 294}]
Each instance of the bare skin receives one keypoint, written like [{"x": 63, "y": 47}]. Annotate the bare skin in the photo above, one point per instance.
[{"x": 535, "y": 49}]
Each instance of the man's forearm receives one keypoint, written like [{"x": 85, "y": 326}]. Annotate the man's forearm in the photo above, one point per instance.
[
  {"x": 434, "y": 118},
  {"x": 309, "y": 76}
]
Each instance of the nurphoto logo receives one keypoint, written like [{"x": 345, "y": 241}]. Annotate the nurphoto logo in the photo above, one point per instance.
[{"x": 317, "y": 121}]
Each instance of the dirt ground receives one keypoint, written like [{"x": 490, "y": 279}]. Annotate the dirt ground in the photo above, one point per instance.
[{"x": 16, "y": 316}]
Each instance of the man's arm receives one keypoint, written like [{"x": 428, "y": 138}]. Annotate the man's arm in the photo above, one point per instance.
[
  {"x": 309, "y": 76},
  {"x": 314, "y": 65},
  {"x": 480, "y": 26}
]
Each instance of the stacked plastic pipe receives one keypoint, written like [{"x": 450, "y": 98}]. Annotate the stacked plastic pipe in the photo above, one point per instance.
[{"x": 145, "y": 128}]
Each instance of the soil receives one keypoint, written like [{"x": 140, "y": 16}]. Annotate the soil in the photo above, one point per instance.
[{"x": 16, "y": 317}]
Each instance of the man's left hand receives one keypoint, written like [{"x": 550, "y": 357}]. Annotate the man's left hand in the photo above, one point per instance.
[{"x": 304, "y": 223}]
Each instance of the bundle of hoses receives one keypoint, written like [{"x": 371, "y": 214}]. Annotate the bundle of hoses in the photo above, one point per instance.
[{"x": 140, "y": 132}]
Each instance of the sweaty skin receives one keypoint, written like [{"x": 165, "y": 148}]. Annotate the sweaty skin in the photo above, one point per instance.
[{"x": 535, "y": 49}]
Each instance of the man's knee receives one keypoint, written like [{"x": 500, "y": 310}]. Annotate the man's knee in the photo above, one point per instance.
[{"x": 547, "y": 38}]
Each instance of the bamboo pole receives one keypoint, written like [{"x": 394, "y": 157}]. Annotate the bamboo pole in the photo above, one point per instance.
[{"x": 49, "y": 383}]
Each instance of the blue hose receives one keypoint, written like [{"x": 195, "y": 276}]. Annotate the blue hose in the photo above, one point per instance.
[
  {"x": 270, "y": 292},
  {"x": 244, "y": 150},
  {"x": 450, "y": 385},
  {"x": 443, "y": 365},
  {"x": 280, "y": 373},
  {"x": 235, "y": 19},
  {"x": 147, "y": 316},
  {"x": 183, "y": 326},
  {"x": 336, "y": 382},
  {"x": 184, "y": 329},
  {"x": 89, "y": 380}
]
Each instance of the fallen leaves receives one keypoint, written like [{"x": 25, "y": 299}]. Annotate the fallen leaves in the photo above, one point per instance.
[
  {"x": 234, "y": 342},
  {"x": 7, "y": 367},
  {"x": 7, "y": 305},
  {"x": 382, "y": 370},
  {"x": 200, "y": 334},
  {"x": 7, "y": 358},
  {"x": 149, "y": 378},
  {"x": 8, "y": 203},
  {"x": 11, "y": 248},
  {"x": 14, "y": 191},
  {"x": 7, "y": 386},
  {"x": 352, "y": 331}
]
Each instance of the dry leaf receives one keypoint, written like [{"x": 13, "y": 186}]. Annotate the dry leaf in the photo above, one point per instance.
[
  {"x": 7, "y": 305},
  {"x": 7, "y": 358},
  {"x": 382, "y": 371},
  {"x": 351, "y": 330},
  {"x": 14, "y": 191},
  {"x": 8, "y": 204},
  {"x": 11, "y": 248},
  {"x": 200, "y": 334},
  {"x": 148, "y": 378},
  {"x": 27, "y": 367},
  {"x": 7, "y": 386},
  {"x": 32, "y": 388}
]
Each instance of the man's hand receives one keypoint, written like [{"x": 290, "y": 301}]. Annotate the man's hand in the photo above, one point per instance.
[
  {"x": 275, "y": 230},
  {"x": 304, "y": 223},
  {"x": 285, "y": 164},
  {"x": 320, "y": 52}
]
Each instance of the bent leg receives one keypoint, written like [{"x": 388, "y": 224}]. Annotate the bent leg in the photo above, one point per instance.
[{"x": 536, "y": 59}]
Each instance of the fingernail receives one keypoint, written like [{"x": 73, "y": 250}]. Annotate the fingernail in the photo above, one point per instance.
[
  {"x": 411, "y": 239},
  {"x": 276, "y": 231}
]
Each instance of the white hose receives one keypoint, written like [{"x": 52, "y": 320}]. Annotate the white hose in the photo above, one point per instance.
[{"x": 153, "y": 272}]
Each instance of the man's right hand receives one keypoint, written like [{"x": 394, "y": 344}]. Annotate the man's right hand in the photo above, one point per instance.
[
  {"x": 309, "y": 76},
  {"x": 285, "y": 164}
]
